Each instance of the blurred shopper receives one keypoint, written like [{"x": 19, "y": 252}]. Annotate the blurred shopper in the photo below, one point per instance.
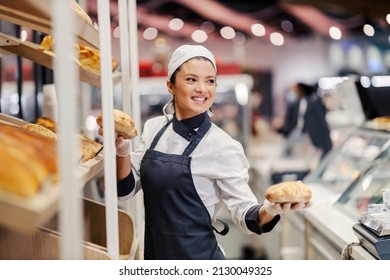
[
  {"x": 306, "y": 113},
  {"x": 187, "y": 167}
]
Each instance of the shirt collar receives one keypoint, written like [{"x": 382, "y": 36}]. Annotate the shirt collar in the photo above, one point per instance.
[{"x": 187, "y": 128}]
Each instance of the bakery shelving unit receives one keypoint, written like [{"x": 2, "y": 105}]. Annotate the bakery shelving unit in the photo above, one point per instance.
[
  {"x": 64, "y": 203},
  {"x": 37, "y": 15}
]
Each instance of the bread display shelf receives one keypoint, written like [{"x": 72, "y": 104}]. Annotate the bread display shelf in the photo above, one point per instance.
[
  {"x": 25, "y": 214},
  {"x": 37, "y": 15},
  {"x": 44, "y": 243},
  {"x": 33, "y": 52}
]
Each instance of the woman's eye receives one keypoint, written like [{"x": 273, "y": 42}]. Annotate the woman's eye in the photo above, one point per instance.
[
  {"x": 190, "y": 79},
  {"x": 211, "y": 81}
]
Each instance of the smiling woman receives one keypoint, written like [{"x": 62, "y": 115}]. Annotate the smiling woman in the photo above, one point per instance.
[
  {"x": 188, "y": 168},
  {"x": 193, "y": 83}
]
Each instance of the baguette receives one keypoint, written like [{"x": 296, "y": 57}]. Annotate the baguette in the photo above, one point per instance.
[{"x": 40, "y": 130}]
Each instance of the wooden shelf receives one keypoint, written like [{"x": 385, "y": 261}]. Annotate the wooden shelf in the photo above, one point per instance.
[
  {"x": 28, "y": 213},
  {"x": 16, "y": 245},
  {"x": 37, "y": 15},
  {"x": 33, "y": 52}
]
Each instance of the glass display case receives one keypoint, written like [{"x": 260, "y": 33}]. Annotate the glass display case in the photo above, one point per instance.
[
  {"x": 345, "y": 163},
  {"x": 367, "y": 188}
]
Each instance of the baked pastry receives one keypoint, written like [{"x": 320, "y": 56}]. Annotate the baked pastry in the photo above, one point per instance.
[
  {"x": 27, "y": 160},
  {"x": 88, "y": 57},
  {"x": 293, "y": 192},
  {"x": 124, "y": 124},
  {"x": 89, "y": 148},
  {"x": 48, "y": 123},
  {"x": 40, "y": 130}
]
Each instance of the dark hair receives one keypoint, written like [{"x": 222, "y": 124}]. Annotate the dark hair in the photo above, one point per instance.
[
  {"x": 306, "y": 89},
  {"x": 173, "y": 77}
]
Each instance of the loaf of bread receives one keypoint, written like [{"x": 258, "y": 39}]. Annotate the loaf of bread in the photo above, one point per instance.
[
  {"x": 40, "y": 130},
  {"x": 124, "y": 124},
  {"x": 293, "y": 192},
  {"x": 27, "y": 160},
  {"x": 89, "y": 148}
]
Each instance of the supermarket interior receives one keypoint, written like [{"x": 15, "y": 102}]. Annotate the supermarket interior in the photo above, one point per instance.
[{"x": 301, "y": 93}]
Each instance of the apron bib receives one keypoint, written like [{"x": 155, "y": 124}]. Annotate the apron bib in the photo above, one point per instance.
[{"x": 177, "y": 224}]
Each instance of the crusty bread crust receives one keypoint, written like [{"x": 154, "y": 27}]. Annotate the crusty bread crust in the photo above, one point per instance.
[
  {"x": 124, "y": 124},
  {"x": 26, "y": 155},
  {"x": 288, "y": 192},
  {"x": 40, "y": 130},
  {"x": 89, "y": 148}
]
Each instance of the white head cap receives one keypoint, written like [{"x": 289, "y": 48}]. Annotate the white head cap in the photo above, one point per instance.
[{"x": 186, "y": 52}]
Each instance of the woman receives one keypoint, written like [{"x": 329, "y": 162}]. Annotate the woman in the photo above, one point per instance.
[
  {"x": 186, "y": 166},
  {"x": 307, "y": 113}
]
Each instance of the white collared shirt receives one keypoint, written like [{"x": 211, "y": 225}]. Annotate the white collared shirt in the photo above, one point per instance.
[{"x": 219, "y": 168}]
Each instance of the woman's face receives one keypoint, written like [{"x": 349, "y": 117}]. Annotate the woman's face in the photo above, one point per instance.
[{"x": 194, "y": 89}]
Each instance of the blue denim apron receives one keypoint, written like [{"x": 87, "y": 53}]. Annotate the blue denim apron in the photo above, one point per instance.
[{"x": 177, "y": 224}]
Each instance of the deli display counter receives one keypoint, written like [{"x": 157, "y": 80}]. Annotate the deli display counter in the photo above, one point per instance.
[
  {"x": 324, "y": 230},
  {"x": 366, "y": 202},
  {"x": 330, "y": 232}
]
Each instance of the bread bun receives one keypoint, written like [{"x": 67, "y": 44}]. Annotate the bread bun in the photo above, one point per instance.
[
  {"x": 48, "y": 123},
  {"x": 89, "y": 148},
  {"x": 88, "y": 57},
  {"x": 288, "y": 192},
  {"x": 40, "y": 130},
  {"x": 124, "y": 124}
]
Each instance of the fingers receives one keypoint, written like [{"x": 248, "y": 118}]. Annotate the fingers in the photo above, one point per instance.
[
  {"x": 297, "y": 206},
  {"x": 286, "y": 206},
  {"x": 308, "y": 204}
]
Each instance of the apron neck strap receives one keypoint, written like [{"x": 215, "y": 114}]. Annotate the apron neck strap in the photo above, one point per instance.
[
  {"x": 205, "y": 126},
  {"x": 158, "y": 135}
]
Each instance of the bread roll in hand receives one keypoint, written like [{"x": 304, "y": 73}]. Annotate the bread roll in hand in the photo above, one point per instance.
[
  {"x": 293, "y": 192},
  {"x": 124, "y": 124}
]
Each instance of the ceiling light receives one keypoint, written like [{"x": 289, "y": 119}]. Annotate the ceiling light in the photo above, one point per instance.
[
  {"x": 227, "y": 32},
  {"x": 150, "y": 33},
  {"x": 239, "y": 38},
  {"x": 276, "y": 38},
  {"x": 368, "y": 30},
  {"x": 287, "y": 26},
  {"x": 335, "y": 33},
  {"x": 388, "y": 18},
  {"x": 199, "y": 36},
  {"x": 258, "y": 29},
  {"x": 176, "y": 24},
  {"x": 207, "y": 26}
]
